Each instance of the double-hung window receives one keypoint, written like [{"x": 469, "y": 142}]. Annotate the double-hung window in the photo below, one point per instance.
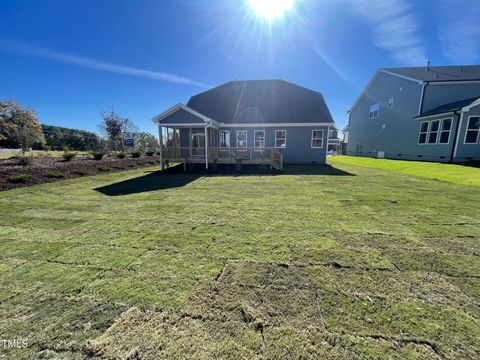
[
  {"x": 433, "y": 133},
  {"x": 374, "y": 110},
  {"x": 281, "y": 139},
  {"x": 224, "y": 139},
  {"x": 473, "y": 129},
  {"x": 445, "y": 130},
  {"x": 259, "y": 138},
  {"x": 422, "y": 136},
  {"x": 241, "y": 138},
  {"x": 317, "y": 138}
]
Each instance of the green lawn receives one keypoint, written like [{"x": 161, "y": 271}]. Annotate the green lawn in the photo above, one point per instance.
[
  {"x": 339, "y": 263},
  {"x": 464, "y": 174}
]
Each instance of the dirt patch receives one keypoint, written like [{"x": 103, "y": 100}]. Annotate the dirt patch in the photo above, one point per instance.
[{"x": 49, "y": 169}]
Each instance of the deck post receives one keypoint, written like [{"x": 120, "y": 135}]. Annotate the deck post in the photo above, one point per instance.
[
  {"x": 206, "y": 147},
  {"x": 160, "y": 142}
]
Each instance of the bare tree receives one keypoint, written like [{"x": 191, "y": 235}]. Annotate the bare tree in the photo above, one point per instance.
[
  {"x": 115, "y": 127},
  {"x": 19, "y": 126}
]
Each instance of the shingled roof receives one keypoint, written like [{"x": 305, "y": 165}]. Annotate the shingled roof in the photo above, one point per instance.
[
  {"x": 261, "y": 101},
  {"x": 439, "y": 73},
  {"x": 448, "y": 108}
]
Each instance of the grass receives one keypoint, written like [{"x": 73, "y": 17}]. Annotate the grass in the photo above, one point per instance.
[
  {"x": 337, "y": 262},
  {"x": 464, "y": 174}
]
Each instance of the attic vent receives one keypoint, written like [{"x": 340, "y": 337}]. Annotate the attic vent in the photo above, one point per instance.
[{"x": 428, "y": 66}]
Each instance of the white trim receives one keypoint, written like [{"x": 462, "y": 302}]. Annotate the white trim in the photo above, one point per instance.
[
  {"x": 264, "y": 140},
  {"x": 198, "y": 125},
  {"x": 466, "y": 130},
  {"x": 458, "y": 135},
  {"x": 453, "y": 82},
  {"x": 419, "y": 82},
  {"x": 243, "y": 125},
  {"x": 421, "y": 99},
  {"x": 179, "y": 106},
  {"x": 423, "y": 132},
  {"x": 220, "y": 139},
  {"x": 442, "y": 131},
  {"x": 430, "y": 130},
  {"x": 434, "y": 115},
  {"x": 246, "y": 138},
  {"x": 275, "y": 144},
  {"x": 321, "y": 138},
  {"x": 473, "y": 104}
]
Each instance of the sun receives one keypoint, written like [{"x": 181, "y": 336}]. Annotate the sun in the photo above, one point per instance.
[{"x": 271, "y": 9}]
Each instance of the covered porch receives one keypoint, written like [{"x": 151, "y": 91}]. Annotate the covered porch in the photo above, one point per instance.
[{"x": 187, "y": 136}]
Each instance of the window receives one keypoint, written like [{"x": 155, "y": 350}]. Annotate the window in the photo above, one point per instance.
[
  {"x": 331, "y": 134},
  {"x": 433, "y": 133},
  {"x": 390, "y": 103},
  {"x": 445, "y": 131},
  {"x": 224, "y": 139},
  {"x": 473, "y": 128},
  {"x": 422, "y": 137},
  {"x": 317, "y": 138},
  {"x": 259, "y": 139},
  {"x": 280, "y": 138},
  {"x": 241, "y": 138},
  {"x": 374, "y": 109}
]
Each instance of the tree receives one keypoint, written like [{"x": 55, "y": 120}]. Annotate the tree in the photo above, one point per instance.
[
  {"x": 19, "y": 127},
  {"x": 146, "y": 141},
  {"x": 116, "y": 126}
]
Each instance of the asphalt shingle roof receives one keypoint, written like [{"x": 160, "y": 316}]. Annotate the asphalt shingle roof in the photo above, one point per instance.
[
  {"x": 454, "y": 106},
  {"x": 439, "y": 73},
  {"x": 261, "y": 101}
]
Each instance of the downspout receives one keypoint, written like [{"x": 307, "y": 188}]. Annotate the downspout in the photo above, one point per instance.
[
  {"x": 326, "y": 146},
  {"x": 457, "y": 135},
  {"x": 206, "y": 144}
]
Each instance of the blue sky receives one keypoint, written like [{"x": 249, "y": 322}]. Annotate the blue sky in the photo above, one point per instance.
[{"x": 71, "y": 59}]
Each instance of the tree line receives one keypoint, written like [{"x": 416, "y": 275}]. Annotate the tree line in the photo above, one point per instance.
[{"x": 20, "y": 128}]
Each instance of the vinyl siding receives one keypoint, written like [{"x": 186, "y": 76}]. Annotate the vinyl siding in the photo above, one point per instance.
[
  {"x": 467, "y": 152},
  {"x": 439, "y": 94}
]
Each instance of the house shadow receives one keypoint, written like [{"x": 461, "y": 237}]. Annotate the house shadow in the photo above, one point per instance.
[{"x": 175, "y": 177}]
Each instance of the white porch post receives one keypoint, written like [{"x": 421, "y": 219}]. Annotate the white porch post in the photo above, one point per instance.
[
  {"x": 206, "y": 147},
  {"x": 160, "y": 141}
]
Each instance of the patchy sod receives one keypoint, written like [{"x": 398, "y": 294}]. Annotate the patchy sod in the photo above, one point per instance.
[{"x": 319, "y": 262}]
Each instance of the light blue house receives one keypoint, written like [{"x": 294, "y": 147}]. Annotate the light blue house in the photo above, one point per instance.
[
  {"x": 418, "y": 113},
  {"x": 268, "y": 122}
]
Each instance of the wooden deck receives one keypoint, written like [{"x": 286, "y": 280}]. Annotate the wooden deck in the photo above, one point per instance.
[{"x": 216, "y": 155}]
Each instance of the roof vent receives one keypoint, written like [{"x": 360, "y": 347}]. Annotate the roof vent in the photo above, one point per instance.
[{"x": 428, "y": 66}]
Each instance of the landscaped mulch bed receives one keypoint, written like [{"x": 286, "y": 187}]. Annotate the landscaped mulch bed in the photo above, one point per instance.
[{"x": 49, "y": 169}]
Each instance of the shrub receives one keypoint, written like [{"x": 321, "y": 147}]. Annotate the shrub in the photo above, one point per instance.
[
  {"x": 55, "y": 174},
  {"x": 97, "y": 155},
  {"x": 81, "y": 172},
  {"x": 121, "y": 155},
  {"x": 67, "y": 155},
  {"x": 20, "y": 178},
  {"x": 24, "y": 160},
  {"x": 136, "y": 153},
  {"x": 149, "y": 153},
  {"x": 103, "y": 168}
]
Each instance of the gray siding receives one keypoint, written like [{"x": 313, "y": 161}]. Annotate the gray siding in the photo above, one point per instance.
[
  {"x": 394, "y": 131},
  {"x": 467, "y": 152},
  {"x": 439, "y": 94}
]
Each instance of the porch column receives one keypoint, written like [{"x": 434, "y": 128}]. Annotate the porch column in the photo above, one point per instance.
[
  {"x": 160, "y": 141},
  {"x": 206, "y": 147}
]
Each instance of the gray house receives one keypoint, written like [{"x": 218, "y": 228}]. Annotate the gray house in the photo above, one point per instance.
[
  {"x": 418, "y": 113},
  {"x": 267, "y": 122}
]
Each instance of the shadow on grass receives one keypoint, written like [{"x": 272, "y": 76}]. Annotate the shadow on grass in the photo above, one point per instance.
[{"x": 174, "y": 177}]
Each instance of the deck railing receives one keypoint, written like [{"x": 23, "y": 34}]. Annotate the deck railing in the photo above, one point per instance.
[{"x": 225, "y": 155}]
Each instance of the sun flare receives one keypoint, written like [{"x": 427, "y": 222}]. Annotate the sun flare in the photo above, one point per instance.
[{"x": 271, "y": 9}]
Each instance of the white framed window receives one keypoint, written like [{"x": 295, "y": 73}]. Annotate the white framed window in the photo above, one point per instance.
[
  {"x": 473, "y": 130},
  {"x": 374, "y": 110},
  {"x": 445, "y": 130},
  {"x": 317, "y": 138},
  {"x": 224, "y": 138},
  {"x": 422, "y": 135},
  {"x": 390, "y": 103},
  {"x": 281, "y": 139},
  {"x": 433, "y": 133},
  {"x": 241, "y": 138},
  {"x": 259, "y": 138}
]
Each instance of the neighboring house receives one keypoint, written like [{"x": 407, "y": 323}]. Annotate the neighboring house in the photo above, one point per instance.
[
  {"x": 333, "y": 140},
  {"x": 250, "y": 122},
  {"x": 345, "y": 139},
  {"x": 418, "y": 113}
]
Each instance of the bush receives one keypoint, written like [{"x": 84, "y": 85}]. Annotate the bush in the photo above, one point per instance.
[
  {"x": 24, "y": 160},
  {"x": 97, "y": 155},
  {"x": 121, "y": 155},
  {"x": 20, "y": 178},
  {"x": 136, "y": 153},
  {"x": 149, "y": 153},
  {"x": 104, "y": 168},
  {"x": 81, "y": 172},
  {"x": 67, "y": 155},
  {"x": 55, "y": 174}
]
